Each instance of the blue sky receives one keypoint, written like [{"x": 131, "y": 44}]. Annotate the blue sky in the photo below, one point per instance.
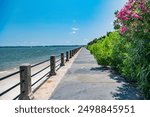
[{"x": 55, "y": 22}]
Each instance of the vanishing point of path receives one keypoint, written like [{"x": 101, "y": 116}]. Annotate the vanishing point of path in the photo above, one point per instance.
[{"x": 86, "y": 80}]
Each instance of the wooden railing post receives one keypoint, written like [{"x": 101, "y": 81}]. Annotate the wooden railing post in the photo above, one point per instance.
[
  {"x": 62, "y": 59},
  {"x": 67, "y": 56},
  {"x": 73, "y": 52},
  {"x": 25, "y": 80},
  {"x": 52, "y": 66},
  {"x": 70, "y": 54}
]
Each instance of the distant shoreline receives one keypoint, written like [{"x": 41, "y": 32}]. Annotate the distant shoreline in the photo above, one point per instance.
[{"x": 40, "y": 46}]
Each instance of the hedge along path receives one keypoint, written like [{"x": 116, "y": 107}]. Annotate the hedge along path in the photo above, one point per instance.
[{"x": 86, "y": 80}]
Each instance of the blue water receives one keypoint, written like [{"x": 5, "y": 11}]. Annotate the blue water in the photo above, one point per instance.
[{"x": 12, "y": 57}]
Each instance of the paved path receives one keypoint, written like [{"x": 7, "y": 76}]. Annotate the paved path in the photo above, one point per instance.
[{"x": 86, "y": 80}]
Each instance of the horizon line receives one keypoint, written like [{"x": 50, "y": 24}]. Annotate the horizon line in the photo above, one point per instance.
[{"x": 37, "y": 45}]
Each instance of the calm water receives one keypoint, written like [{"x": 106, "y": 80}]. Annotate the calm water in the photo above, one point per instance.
[{"x": 12, "y": 57}]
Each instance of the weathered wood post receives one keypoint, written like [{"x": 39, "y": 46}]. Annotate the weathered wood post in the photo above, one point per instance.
[
  {"x": 52, "y": 66},
  {"x": 67, "y": 56},
  {"x": 62, "y": 59},
  {"x": 25, "y": 80},
  {"x": 73, "y": 52},
  {"x": 70, "y": 54}
]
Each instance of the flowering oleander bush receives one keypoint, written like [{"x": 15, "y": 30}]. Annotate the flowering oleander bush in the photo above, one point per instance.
[
  {"x": 128, "y": 48},
  {"x": 133, "y": 22},
  {"x": 134, "y": 17}
]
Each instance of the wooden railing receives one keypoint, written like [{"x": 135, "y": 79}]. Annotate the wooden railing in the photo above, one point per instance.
[{"x": 26, "y": 84}]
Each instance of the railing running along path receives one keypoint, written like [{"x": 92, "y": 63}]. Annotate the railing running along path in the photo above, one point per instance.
[{"x": 26, "y": 85}]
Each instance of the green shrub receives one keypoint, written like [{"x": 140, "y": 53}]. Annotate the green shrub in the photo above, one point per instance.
[
  {"x": 131, "y": 59},
  {"x": 129, "y": 51},
  {"x": 103, "y": 49}
]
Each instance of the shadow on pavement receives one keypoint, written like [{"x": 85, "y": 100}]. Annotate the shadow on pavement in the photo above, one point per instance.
[
  {"x": 125, "y": 91},
  {"x": 101, "y": 68}
]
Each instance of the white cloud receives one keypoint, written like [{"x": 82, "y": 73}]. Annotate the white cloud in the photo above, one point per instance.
[{"x": 74, "y": 30}]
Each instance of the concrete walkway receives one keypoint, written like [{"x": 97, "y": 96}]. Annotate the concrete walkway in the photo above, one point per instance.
[{"x": 86, "y": 80}]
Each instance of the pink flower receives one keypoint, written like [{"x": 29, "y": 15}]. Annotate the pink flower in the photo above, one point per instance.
[
  {"x": 134, "y": 15},
  {"x": 129, "y": 12},
  {"x": 123, "y": 29},
  {"x": 123, "y": 15},
  {"x": 128, "y": 5},
  {"x": 126, "y": 18},
  {"x": 142, "y": 6},
  {"x": 130, "y": 1}
]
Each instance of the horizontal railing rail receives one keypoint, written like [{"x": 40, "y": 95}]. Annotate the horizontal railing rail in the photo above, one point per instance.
[
  {"x": 17, "y": 96},
  {"x": 27, "y": 86},
  {"x": 40, "y": 63},
  {"x": 58, "y": 60},
  {"x": 39, "y": 79},
  {"x": 5, "y": 77},
  {"x": 40, "y": 71},
  {"x": 10, "y": 88}
]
